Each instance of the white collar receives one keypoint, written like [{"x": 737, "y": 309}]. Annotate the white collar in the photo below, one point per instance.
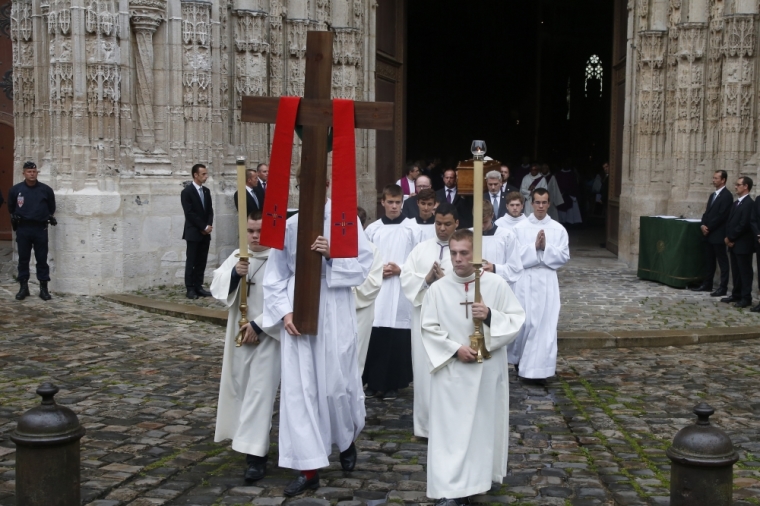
[
  {"x": 461, "y": 280},
  {"x": 742, "y": 197},
  {"x": 547, "y": 219},
  {"x": 197, "y": 187},
  {"x": 719, "y": 189}
]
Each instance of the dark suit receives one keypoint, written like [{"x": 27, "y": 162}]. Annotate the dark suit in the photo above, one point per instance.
[
  {"x": 755, "y": 224},
  {"x": 411, "y": 209},
  {"x": 509, "y": 189},
  {"x": 252, "y": 204},
  {"x": 198, "y": 216},
  {"x": 502, "y": 210},
  {"x": 739, "y": 232},
  {"x": 463, "y": 205},
  {"x": 715, "y": 217}
]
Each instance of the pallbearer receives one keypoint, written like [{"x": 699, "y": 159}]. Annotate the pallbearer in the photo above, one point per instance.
[
  {"x": 251, "y": 372},
  {"x": 469, "y": 401}
]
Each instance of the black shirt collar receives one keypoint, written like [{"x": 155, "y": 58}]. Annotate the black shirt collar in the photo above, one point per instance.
[
  {"x": 492, "y": 231},
  {"x": 396, "y": 221},
  {"x": 429, "y": 221}
]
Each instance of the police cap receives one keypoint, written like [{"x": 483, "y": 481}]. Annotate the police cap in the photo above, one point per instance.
[{"x": 30, "y": 165}]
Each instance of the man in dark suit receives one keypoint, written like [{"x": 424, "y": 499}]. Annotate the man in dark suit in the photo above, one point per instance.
[
  {"x": 411, "y": 209},
  {"x": 755, "y": 224},
  {"x": 495, "y": 195},
  {"x": 714, "y": 231},
  {"x": 199, "y": 216},
  {"x": 505, "y": 186},
  {"x": 262, "y": 172},
  {"x": 254, "y": 193},
  {"x": 741, "y": 244},
  {"x": 450, "y": 194}
]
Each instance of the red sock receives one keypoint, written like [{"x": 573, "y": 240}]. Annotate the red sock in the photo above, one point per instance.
[{"x": 309, "y": 474}]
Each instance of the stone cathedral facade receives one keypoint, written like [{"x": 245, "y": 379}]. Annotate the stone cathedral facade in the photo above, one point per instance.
[
  {"x": 115, "y": 100},
  {"x": 691, "y": 107}
]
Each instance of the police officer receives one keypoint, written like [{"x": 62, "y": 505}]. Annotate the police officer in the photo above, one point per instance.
[{"x": 32, "y": 205}]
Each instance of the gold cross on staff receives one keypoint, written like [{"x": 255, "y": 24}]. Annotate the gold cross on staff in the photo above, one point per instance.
[
  {"x": 466, "y": 305},
  {"x": 315, "y": 115}
]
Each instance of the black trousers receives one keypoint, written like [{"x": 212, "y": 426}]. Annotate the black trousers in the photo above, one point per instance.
[
  {"x": 741, "y": 272},
  {"x": 389, "y": 359},
  {"x": 713, "y": 253},
  {"x": 195, "y": 265},
  {"x": 30, "y": 236}
]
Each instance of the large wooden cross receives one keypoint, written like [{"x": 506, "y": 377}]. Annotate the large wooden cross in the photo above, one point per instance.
[{"x": 315, "y": 115}]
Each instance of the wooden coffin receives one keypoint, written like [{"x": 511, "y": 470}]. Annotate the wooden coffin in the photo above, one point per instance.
[{"x": 465, "y": 171}]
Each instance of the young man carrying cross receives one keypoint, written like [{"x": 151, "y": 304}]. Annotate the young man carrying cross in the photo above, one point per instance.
[
  {"x": 321, "y": 398},
  {"x": 251, "y": 372},
  {"x": 469, "y": 401}
]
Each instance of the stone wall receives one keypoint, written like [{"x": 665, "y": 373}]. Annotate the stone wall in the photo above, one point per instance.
[
  {"x": 691, "y": 106},
  {"x": 115, "y": 100}
]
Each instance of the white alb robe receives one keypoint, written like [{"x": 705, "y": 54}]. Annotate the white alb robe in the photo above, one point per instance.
[
  {"x": 394, "y": 242},
  {"x": 508, "y": 221},
  {"x": 555, "y": 196},
  {"x": 321, "y": 397},
  {"x": 535, "y": 349},
  {"x": 250, "y": 373},
  {"x": 469, "y": 402},
  {"x": 503, "y": 250},
  {"x": 365, "y": 294},
  {"x": 413, "y": 273},
  {"x": 422, "y": 232}
]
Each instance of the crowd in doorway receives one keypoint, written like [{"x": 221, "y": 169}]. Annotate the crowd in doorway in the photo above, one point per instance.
[{"x": 579, "y": 194}]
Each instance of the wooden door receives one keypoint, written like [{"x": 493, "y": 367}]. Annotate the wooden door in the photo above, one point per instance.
[
  {"x": 6, "y": 116},
  {"x": 390, "y": 86},
  {"x": 617, "y": 122}
]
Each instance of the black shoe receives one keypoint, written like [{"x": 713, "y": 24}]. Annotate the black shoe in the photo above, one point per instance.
[
  {"x": 255, "y": 471},
  {"x": 755, "y": 309},
  {"x": 390, "y": 395},
  {"x": 301, "y": 485},
  {"x": 743, "y": 304},
  {"x": 348, "y": 458},
  {"x": 517, "y": 369},
  {"x": 202, "y": 292},
  {"x": 730, "y": 298},
  {"x": 369, "y": 393},
  {"x": 702, "y": 288},
  {"x": 23, "y": 292},
  {"x": 720, "y": 292},
  {"x": 44, "y": 294},
  {"x": 191, "y": 293}
]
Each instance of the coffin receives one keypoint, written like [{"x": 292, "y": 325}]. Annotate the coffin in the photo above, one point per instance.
[{"x": 464, "y": 174}]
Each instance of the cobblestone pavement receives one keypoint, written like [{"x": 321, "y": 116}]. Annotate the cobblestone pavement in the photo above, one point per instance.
[{"x": 145, "y": 388}]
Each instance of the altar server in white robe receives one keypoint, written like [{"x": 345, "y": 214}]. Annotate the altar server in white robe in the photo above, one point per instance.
[
  {"x": 321, "y": 398},
  {"x": 251, "y": 372},
  {"x": 389, "y": 359},
  {"x": 514, "y": 211},
  {"x": 501, "y": 249},
  {"x": 537, "y": 179},
  {"x": 424, "y": 223},
  {"x": 428, "y": 262},
  {"x": 543, "y": 250},
  {"x": 469, "y": 401},
  {"x": 365, "y": 294}
]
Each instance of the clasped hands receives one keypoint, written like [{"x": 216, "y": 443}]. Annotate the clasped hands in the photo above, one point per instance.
[
  {"x": 541, "y": 240},
  {"x": 435, "y": 273}
]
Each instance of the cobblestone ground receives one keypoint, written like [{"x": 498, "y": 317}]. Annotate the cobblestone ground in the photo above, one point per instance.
[{"x": 145, "y": 388}]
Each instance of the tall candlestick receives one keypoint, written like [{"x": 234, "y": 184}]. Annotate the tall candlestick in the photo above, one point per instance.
[
  {"x": 242, "y": 197},
  {"x": 477, "y": 210}
]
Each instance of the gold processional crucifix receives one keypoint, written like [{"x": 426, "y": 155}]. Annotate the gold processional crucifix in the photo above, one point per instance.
[{"x": 315, "y": 115}]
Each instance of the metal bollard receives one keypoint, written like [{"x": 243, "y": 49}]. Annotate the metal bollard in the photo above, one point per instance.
[
  {"x": 702, "y": 458},
  {"x": 47, "y": 453}
]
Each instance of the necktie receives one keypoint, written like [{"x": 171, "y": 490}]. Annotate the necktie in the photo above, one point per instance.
[
  {"x": 255, "y": 199},
  {"x": 495, "y": 203},
  {"x": 448, "y": 196},
  {"x": 203, "y": 201},
  {"x": 264, "y": 185}
]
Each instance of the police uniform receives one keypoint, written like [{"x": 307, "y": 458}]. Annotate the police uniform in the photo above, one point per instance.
[{"x": 31, "y": 208}]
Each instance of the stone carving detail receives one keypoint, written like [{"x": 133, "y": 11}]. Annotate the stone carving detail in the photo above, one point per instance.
[
  {"x": 323, "y": 11},
  {"x": 643, "y": 10},
  {"x": 22, "y": 75},
  {"x": 251, "y": 59},
  {"x": 689, "y": 52},
  {"x": 146, "y": 16},
  {"x": 297, "y": 29},
  {"x": 651, "y": 85},
  {"x": 738, "y": 77},
  {"x": 346, "y": 58},
  {"x": 196, "y": 74},
  {"x": 276, "y": 70},
  {"x": 59, "y": 17}
]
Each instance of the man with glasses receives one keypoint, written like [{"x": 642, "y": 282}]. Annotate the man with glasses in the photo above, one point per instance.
[
  {"x": 411, "y": 208},
  {"x": 543, "y": 250},
  {"x": 32, "y": 205},
  {"x": 741, "y": 245}
]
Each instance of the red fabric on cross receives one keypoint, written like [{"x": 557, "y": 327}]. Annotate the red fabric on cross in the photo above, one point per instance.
[
  {"x": 344, "y": 231},
  {"x": 275, "y": 211}
]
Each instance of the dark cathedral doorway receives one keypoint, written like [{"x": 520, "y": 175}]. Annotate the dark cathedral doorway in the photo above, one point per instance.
[{"x": 534, "y": 79}]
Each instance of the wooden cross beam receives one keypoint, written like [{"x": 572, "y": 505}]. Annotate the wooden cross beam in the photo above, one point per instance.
[{"x": 315, "y": 115}]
